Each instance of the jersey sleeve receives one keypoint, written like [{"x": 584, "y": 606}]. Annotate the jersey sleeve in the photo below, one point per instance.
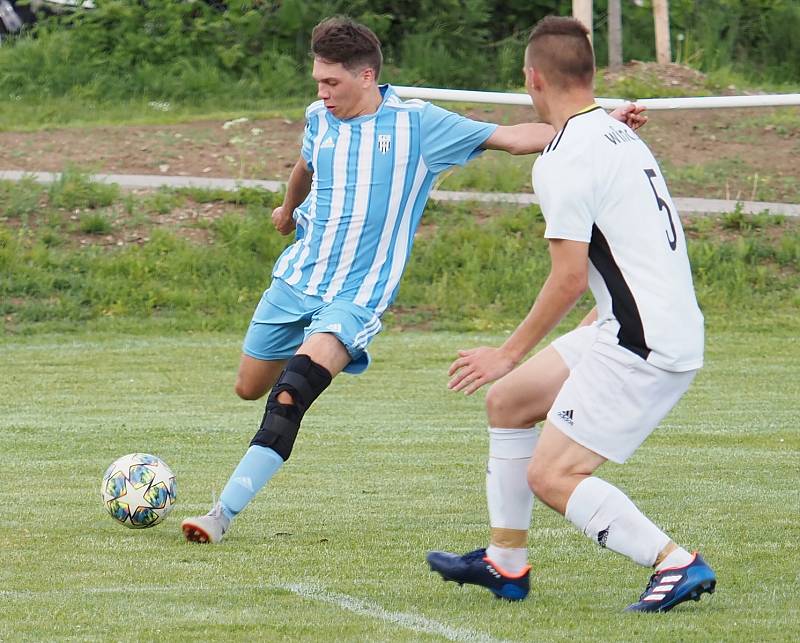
[
  {"x": 450, "y": 139},
  {"x": 307, "y": 149},
  {"x": 565, "y": 192}
]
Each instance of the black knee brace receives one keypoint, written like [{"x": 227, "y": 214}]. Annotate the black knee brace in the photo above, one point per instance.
[{"x": 304, "y": 380}]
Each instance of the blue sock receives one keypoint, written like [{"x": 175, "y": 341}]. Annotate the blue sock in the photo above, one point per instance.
[{"x": 254, "y": 470}]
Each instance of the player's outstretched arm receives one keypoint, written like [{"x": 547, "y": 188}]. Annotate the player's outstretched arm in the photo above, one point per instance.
[
  {"x": 297, "y": 189},
  {"x": 525, "y": 138},
  {"x": 532, "y": 138},
  {"x": 567, "y": 281}
]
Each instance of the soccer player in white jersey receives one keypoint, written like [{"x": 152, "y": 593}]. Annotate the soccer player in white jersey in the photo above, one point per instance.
[
  {"x": 602, "y": 388},
  {"x": 355, "y": 198}
]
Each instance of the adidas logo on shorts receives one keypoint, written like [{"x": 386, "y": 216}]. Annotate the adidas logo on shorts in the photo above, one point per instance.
[{"x": 566, "y": 416}]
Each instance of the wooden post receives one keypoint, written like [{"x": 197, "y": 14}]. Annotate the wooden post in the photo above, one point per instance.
[
  {"x": 661, "y": 20},
  {"x": 582, "y": 10},
  {"x": 614, "y": 35}
]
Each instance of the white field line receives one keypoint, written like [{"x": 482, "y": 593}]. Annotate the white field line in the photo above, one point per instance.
[
  {"x": 685, "y": 205},
  {"x": 408, "y": 621},
  {"x": 413, "y": 622}
]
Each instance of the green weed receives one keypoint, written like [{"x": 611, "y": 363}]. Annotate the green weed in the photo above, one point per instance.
[
  {"x": 738, "y": 220},
  {"x": 20, "y": 199},
  {"x": 240, "y": 196},
  {"x": 785, "y": 121},
  {"x": 50, "y": 237},
  {"x": 163, "y": 201},
  {"x": 74, "y": 189},
  {"x": 95, "y": 223},
  {"x": 733, "y": 179}
]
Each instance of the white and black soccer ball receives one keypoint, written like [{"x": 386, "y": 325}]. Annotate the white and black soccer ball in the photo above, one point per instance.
[{"x": 138, "y": 490}]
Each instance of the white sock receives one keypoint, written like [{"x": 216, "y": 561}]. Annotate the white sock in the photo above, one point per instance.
[
  {"x": 607, "y": 516},
  {"x": 510, "y": 559},
  {"x": 509, "y": 498},
  {"x": 677, "y": 558}
]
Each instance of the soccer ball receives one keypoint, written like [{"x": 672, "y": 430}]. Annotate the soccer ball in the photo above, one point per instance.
[{"x": 138, "y": 490}]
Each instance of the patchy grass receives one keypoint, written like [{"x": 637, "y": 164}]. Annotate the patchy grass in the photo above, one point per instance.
[
  {"x": 333, "y": 548},
  {"x": 74, "y": 190},
  {"x": 200, "y": 259},
  {"x": 732, "y": 179},
  {"x": 493, "y": 171}
]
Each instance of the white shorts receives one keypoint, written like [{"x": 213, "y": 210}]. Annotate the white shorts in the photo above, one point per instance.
[{"x": 612, "y": 399}]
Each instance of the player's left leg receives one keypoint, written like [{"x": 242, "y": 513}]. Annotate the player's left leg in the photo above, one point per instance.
[
  {"x": 560, "y": 475},
  {"x": 256, "y": 377}
]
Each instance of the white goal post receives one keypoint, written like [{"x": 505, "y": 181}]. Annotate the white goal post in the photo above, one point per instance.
[{"x": 693, "y": 102}]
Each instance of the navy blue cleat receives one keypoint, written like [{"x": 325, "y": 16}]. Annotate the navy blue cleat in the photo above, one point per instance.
[
  {"x": 673, "y": 586},
  {"x": 475, "y": 568}
]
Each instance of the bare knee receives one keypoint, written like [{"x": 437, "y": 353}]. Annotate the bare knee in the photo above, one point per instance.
[
  {"x": 502, "y": 410},
  {"x": 497, "y": 407},
  {"x": 247, "y": 390}
]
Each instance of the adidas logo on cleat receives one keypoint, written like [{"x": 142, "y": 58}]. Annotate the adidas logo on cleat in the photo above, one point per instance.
[
  {"x": 673, "y": 586},
  {"x": 566, "y": 416}
]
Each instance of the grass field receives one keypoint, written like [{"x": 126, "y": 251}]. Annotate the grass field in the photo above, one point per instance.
[{"x": 388, "y": 466}]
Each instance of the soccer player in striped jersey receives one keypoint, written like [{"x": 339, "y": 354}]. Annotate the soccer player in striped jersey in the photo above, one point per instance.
[
  {"x": 355, "y": 197},
  {"x": 604, "y": 387}
]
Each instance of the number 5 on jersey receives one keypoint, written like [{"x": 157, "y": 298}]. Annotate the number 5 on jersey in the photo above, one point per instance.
[{"x": 662, "y": 205}]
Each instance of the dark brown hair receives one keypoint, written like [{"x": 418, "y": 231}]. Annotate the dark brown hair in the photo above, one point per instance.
[
  {"x": 342, "y": 40},
  {"x": 561, "y": 49}
]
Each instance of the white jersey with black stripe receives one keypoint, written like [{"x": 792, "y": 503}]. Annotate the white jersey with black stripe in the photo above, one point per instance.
[{"x": 598, "y": 183}]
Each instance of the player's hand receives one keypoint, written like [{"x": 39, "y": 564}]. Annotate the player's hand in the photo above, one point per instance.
[
  {"x": 282, "y": 220},
  {"x": 631, "y": 114},
  {"x": 478, "y": 366}
]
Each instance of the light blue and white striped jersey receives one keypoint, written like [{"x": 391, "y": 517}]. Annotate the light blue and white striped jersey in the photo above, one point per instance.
[{"x": 372, "y": 177}]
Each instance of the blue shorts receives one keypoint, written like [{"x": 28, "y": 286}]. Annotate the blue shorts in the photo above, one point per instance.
[{"x": 285, "y": 318}]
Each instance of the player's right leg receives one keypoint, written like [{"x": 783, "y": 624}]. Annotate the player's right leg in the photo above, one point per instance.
[
  {"x": 306, "y": 376},
  {"x": 307, "y": 373},
  {"x": 274, "y": 335},
  {"x": 254, "y": 378},
  {"x": 514, "y": 404}
]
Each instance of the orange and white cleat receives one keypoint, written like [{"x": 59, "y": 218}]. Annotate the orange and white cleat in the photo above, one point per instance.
[{"x": 209, "y": 528}]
